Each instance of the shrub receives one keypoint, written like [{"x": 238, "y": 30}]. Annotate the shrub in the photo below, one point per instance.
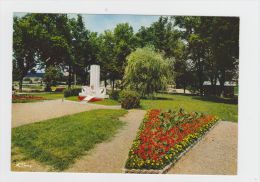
[
  {"x": 114, "y": 94},
  {"x": 129, "y": 99},
  {"x": 72, "y": 92}
]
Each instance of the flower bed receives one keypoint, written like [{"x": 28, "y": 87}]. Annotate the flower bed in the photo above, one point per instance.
[
  {"x": 163, "y": 137},
  {"x": 25, "y": 98}
]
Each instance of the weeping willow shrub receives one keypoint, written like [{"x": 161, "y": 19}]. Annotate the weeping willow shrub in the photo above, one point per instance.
[{"x": 147, "y": 71}]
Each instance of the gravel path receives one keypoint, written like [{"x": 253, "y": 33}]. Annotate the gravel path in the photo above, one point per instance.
[
  {"x": 215, "y": 154},
  {"x": 25, "y": 113},
  {"x": 110, "y": 156}
]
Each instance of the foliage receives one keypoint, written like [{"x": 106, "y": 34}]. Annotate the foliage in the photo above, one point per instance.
[
  {"x": 58, "y": 142},
  {"x": 129, "y": 99},
  {"x": 51, "y": 76},
  {"x": 212, "y": 45},
  {"x": 203, "y": 48},
  {"x": 114, "y": 94},
  {"x": 115, "y": 46},
  {"x": 163, "y": 136},
  {"x": 146, "y": 71},
  {"x": 71, "y": 92},
  {"x": 161, "y": 34},
  {"x": 24, "y": 53}
]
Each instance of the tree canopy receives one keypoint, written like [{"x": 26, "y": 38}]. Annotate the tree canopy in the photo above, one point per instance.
[
  {"x": 200, "y": 48},
  {"x": 147, "y": 71}
]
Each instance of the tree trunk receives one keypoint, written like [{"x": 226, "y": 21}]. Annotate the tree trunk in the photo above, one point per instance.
[
  {"x": 69, "y": 79},
  {"x": 222, "y": 82},
  {"x": 105, "y": 81},
  {"x": 113, "y": 84},
  {"x": 20, "y": 85}
]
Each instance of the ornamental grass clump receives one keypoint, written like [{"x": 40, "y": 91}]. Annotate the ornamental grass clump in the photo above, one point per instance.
[{"x": 163, "y": 136}]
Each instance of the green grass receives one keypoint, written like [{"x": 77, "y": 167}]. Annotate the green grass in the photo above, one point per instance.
[
  {"x": 72, "y": 98},
  {"x": 107, "y": 102},
  {"x": 50, "y": 95},
  {"x": 58, "y": 142},
  {"x": 225, "y": 109}
]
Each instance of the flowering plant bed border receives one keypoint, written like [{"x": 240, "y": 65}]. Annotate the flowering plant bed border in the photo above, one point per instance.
[
  {"x": 185, "y": 145},
  {"x": 26, "y": 98}
]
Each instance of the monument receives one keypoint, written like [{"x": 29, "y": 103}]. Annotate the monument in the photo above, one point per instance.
[{"x": 93, "y": 92}]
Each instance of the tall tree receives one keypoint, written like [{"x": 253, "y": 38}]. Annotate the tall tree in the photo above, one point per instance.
[
  {"x": 124, "y": 45},
  {"x": 161, "y": 34},
  {"x": 24, "y": 52}
]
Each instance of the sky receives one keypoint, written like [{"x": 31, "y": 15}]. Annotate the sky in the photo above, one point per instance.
[{"x": 100, "y": 23}]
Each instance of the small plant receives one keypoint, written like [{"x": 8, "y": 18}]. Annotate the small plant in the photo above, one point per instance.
[
  {"x": 129, "y": 99},
  {"x": 72, "y": 92},
  {"x": 114, "y": 94}
]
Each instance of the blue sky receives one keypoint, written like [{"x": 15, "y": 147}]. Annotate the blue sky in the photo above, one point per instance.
[{"x": 99, "y": 23}]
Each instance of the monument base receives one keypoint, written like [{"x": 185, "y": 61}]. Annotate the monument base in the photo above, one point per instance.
[{"x": 89, "y": 98}]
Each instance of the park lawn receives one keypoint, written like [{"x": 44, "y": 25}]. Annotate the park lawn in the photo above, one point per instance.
[
  {"x": 107, "y": 102},
  {"x": 72, "y": 98},
  {"x": 223, "y": 108},
  {"x": 58, "y": 142},
  {"x": 50, "y": 95}
]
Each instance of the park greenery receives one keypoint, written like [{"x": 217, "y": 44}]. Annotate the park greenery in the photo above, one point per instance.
[
  {"x": 190, "y": 50},
  {"x": 146, "y": 72},
  {"x": 225, "y": 108},
  {"x": 74, "y": 134}
]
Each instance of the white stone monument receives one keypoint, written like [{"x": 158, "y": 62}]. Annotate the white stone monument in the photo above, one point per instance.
[{"x": 94, "y": 92}]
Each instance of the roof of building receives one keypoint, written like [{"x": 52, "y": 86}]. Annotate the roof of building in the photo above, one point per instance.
[{"x": 40, "y": 75}]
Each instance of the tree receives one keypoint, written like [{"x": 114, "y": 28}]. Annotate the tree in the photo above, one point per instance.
[
  {"x": 115, "y": 46},
  {"x": 212, "y": 44},
  {"x": 24, "y": 53},
  {"x": 124, "y": 45},
  {"x": 225, "y": 44},
  {"x": 107, "y": 56},
  {"x": 51, "y": 76},
  {"x": 161, "y": 34},
  {"x": 147, "y": 71}
]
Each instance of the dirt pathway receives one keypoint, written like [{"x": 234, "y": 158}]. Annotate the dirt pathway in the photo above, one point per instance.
[
  {"x": 25, "y": 113},
  {"x": 110, "y": 156},
  {"x": 215, "y": 154}
]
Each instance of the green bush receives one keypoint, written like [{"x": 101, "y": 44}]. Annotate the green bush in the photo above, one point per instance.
[
  {"x": 114, "y": 94},
  {"x": 72, "y": 92},
  {"x": 129, "y": 99}
]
